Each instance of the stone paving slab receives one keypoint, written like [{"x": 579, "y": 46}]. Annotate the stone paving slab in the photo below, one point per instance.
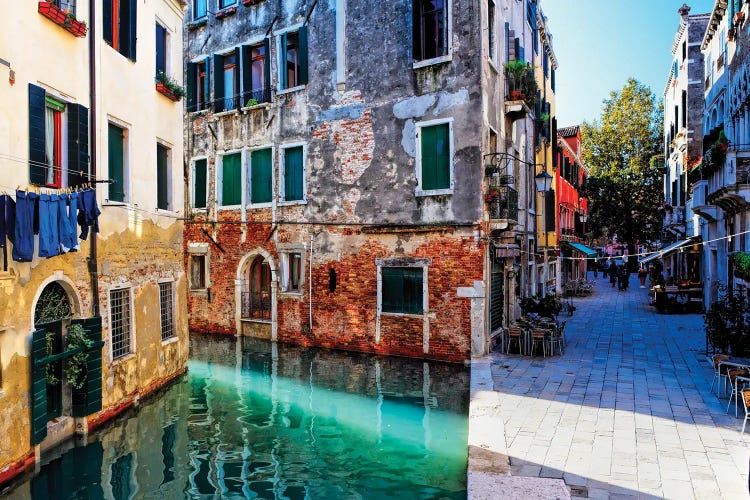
[{"x": 626, "y": 412}]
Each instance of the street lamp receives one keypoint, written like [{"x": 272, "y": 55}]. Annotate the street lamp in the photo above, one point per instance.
[{"x": 543, "y": 185}]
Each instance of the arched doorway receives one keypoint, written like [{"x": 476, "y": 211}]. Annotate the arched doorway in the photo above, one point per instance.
[
  {"x": 256, "y": 300},
  {"x": 53, "y": 312}
]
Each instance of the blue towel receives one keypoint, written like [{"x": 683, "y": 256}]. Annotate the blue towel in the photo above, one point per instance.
[
  {"x": 23, "y": 246},
  {"x": 7, "y": 218},
  {"x": 88, "y": 213},
  {"x": 49, "y": 230}
]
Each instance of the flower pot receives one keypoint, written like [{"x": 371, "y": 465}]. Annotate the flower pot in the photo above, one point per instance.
[
  {"x": 166, "y": 92},
  {"x": 62, "y": 19},
  {"x": 516, "y": 95}
]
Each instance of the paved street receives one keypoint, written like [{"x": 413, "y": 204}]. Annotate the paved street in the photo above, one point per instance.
[{"x": 626, "y": 411}]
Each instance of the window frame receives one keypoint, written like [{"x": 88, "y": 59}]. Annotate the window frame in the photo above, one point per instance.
[
  {"x": 192, "y": 184},
  {"x": 418, "y": 126},
  {"x": 171, "y": 310},
  {"x": 194, "y": 4},
  {"x": 117, "y": 28},
  {"x": 281, "y": 59},
  {"x": 131, "y": 337},
  {"x": 285, "y": 253},
  {"x": 126, "y": 198},
  {"x": 282, "y": 172},
  {"x": 59, "y": 163},
  {"x": 249, "y": 177},
  {"x": 492, "y": 31},
  {"x": 417, "y": 263},
  {"x": 448, "y": 56},
  {"x": 170, "y": 178},
  {"x": 199, "y": 250},
  {"x": 167, "y": 49},
  {"x": 236, "y": 84},
  {"x": 220, "y": 179}
]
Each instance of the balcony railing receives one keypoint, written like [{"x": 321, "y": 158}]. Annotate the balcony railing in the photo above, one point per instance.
[
  {"x": 502, "y": 203},
  {"x": 256, "y": 305},
  {"x": 674, "y": 217}
]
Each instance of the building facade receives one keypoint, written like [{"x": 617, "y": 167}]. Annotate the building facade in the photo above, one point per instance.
[
  {"x": 330, "y": 206},
  {"x": 75, "y": 134}
]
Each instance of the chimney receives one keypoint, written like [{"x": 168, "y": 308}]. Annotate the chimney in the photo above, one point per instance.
[{"x": 684, "y": 11}]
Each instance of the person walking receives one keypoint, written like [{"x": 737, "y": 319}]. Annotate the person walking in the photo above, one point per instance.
[
  {"x": 642, "y": 273},
  {"x": 612, "y": 273},
  {"x": 595, "y": 265}
]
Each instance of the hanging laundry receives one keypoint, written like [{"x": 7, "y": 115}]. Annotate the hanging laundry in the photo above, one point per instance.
[
  {"x": 23, "y": 242},
  {"x": 49, "y": 229},
  {"x": 88, "y": 213},
  {"x": 7, "y": 218},
  {"x": 68, "y": 208}
]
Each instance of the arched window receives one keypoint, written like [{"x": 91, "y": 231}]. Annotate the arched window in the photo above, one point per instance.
[{"x": 256, "y": 300}]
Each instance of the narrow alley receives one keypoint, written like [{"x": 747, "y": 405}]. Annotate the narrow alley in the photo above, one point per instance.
[{"x": 626, "y": 412}]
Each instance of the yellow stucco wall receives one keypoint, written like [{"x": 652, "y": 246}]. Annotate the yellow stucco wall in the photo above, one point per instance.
[{"x": 138, "y": 245}]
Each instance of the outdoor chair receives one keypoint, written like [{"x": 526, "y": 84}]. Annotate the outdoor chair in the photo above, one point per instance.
[
  {"x": 716, "y": 360},
  {"x": 561, "y": 332},
  {"x": 514, "y": 333},
  {"x": 732, "y": 377},
  {"x": 554, "y": 339},
  {"x": 539, "y": 337},
  {"x": 746, "y": 404}
]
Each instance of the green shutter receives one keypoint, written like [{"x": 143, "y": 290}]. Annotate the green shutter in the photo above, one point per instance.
[
  {"x": 435, "y": 157},
  {"x": 207, "y": 84},
  {"x": 78, "y": 144},
  {"x": 38, "y": 394},
  {"x": 162, "y": 178},
  {"x": 302, "y": 56},
  {"x": 199, "y": 184},
  {"x": 218, "y": 83},
  {"x": 260, "y": 176},
  {"x": 401, "y": 289},
  {"x": 293, "y": 173},
  {"x": 549, "y": 211},
  {"x": 283, "y": 70},
  {"x": 231, "y": 179},
  {"x": 191, "y": 78},
  {"x": 132, "y": 22},
  {"x": 266, "y": 71},
  {"x": 37, "y": 151},
  {"x": 115, "y": 156},
  {"x": 247, "y": 76},
  {"x": 88, "y": 399}
]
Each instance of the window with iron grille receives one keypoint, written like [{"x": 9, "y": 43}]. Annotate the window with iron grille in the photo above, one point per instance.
[
  {"x": 167, "y": 315},
  {"x": 119, "y": 310}
]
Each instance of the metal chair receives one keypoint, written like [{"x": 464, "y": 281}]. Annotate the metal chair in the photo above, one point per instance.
[
  {"x": 539, "y": 336},
  {"x": 561, "y": 332},
  {"x": 555, "y": 339},
  {"x": 716, "y": 361},
  {"x": 746, "y": 404},
  {"x": 732, "y": 377},
  {"x": 514, "y": 333}
]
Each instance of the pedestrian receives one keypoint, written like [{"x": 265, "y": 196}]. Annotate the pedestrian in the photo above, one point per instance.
[
  {"x": 642, "y": 273},
  {"x": 620, "y": 278},
  {"x": 625, "y": 277},
  {"x": 605, "y": 270},
  {"x": 596, "y": 269},
  {"x": 612, "y": 273}
]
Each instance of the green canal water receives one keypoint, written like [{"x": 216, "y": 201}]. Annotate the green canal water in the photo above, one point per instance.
[{"x": 256, "y": 420}]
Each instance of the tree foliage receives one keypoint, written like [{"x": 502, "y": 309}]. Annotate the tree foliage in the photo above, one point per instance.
[{"x": 625, "y": 189}]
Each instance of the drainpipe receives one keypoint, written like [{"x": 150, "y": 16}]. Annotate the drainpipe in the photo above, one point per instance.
[
  {"x": 93, "y": 264},
  {"x": 312, "y": 239}
]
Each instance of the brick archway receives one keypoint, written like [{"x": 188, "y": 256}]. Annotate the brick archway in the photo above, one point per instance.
[{"x": 241, "y": 284}]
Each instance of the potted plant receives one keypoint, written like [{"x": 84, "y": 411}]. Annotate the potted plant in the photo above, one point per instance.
[
  {"x": 252, "y": 102},
  {"x": 75, "y": 366},
  {"x": 521, "y": 81},
  {"x": 168, "y": 87}
]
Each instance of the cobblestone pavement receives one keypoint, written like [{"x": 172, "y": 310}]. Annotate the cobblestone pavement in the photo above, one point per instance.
[{"x": 627, "y": 411}]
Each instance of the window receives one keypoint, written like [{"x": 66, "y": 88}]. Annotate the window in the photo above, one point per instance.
[
  {"x": 166, "y": 292},
  {"x": 119, "y": 20},
  {"x": 256, "y": 298},
  {"x": 200, "y": 184},
  {"x": 119, "y": 313},
  {"x": 402, "y": 290},
  {"x": 684, "y": 50},
  {"x": 491, "y": 28},
  {"x": 226, "y": 3},
  {"x": 261, "y": 176},
  {"x": 553, "y": 80},
  {"x": 531, "y": 19},
  {"x": 198, "y": 85},
  {"x": 231, "y": 179},
  {"x": 227, "y": 82},
  {"x": 198, "y": 272},
  {"x": 430, "y": 29},
  {"x": 293, "y": 65},
  {"x": 256, "y": 75},
  {"x": 66, "y": 5},
  {"x": 434, "y": 156},
  {"x": 199, "y": 8},
  {"x": 493, "y": 144},
  {"x": 162, "y": 44},
  {"x": 293, "y": 174},
  {"x": 116, "y": 162},
  {"x": 545, "y": 65},
  {"x": 163, "y": 188},
  {"x": 292, "y": 271},
  {"x": 58, "y": 141}
]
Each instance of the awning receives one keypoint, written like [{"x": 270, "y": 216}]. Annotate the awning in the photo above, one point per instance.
[
  {"x": 580, "y": 247},
  {"x": 503, "y": 250},
  {"x": 667, "y": 250}
]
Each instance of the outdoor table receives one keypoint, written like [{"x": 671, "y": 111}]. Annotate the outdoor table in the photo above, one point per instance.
[{"x": 664, "y": 297}]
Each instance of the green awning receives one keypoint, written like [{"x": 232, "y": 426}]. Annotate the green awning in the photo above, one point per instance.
[{"x": 582, "y": 248}]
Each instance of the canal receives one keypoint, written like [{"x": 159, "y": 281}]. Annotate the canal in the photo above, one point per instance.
[{"x": 253, "y": 419}]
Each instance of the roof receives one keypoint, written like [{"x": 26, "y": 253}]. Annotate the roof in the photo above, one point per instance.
[
  {"x": 570, "y": 131},
  {"x": 668, "y": 250}
]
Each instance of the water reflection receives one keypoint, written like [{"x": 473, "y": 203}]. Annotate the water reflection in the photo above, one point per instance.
[{"x": 257, "y": 420}]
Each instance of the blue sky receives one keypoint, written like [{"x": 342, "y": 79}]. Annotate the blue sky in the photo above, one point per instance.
[{"x": 600, "y": 43}]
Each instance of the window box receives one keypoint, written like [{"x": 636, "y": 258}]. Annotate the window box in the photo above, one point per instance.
[
  {"x": 229, "y": 11},
  {"x": 194, "y": 25},
  {"x": 66, "y": 20},
  {"x": 167, "y": 92},
  {"x": 248, "y": 3}
]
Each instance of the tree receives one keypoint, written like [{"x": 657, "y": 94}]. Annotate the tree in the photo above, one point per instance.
[{"x": 625, "y": 186}]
